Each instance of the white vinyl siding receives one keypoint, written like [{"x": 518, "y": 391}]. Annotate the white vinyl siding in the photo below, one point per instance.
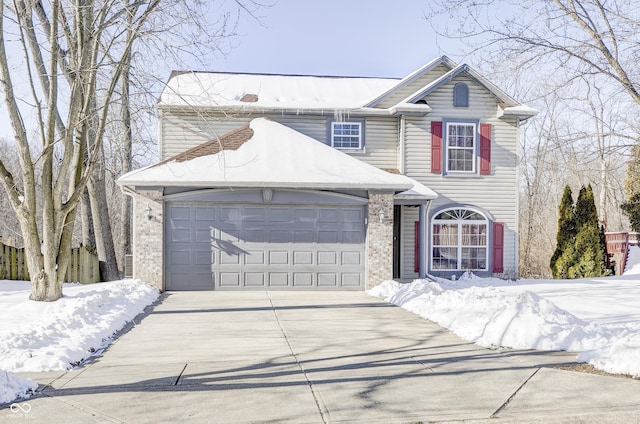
[
  {"x": 416, "y": 85},
  {"x": 407, "y": 238},
  {"x": 182, "y": 131},
  {"x": 497, "y": 194},
  {"x": 186, "y": 130}
]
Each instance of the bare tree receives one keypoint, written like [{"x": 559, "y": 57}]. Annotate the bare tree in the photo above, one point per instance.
[
  {"x": 575, "y": 61},
  {"x": 178, "y": 32},
  {"x": 63, "y": 44},
  {"x": 568, "y": 37}
]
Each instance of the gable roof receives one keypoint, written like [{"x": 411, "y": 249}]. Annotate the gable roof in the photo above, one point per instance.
[
  {"x": 262, "y": 91},
  {"x": 442, "y": 60},
  {"x": 320, "y": 94},
  {"x": 269, "y": 154}
]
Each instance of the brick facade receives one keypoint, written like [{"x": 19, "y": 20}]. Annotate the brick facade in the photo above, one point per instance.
[
  {"x": 148, "y": 224},
  {"x": 379, "y": 239}
]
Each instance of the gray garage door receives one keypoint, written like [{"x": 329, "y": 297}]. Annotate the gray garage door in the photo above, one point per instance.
[{"x": 240, "y": 246}]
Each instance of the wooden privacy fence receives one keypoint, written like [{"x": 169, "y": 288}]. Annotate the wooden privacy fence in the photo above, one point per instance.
[{"x": 84, "y": 266}]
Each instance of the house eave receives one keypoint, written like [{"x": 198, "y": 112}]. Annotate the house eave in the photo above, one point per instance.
[
  {"x": 327, "y": 111},
  {"x": 147, "y": 185}
]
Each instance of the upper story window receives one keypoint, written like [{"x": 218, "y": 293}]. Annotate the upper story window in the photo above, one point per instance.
[
  {"x": 347, "y": 135},
  {"x": 461, "y": 147},
  {"x": 460, "y": 95}
]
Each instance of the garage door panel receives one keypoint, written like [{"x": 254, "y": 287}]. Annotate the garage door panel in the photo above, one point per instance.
[
  {"x": 254, "y": 235},
  {"x": 352, "y": 216},
  {"x": 327, "y": 279},
  {"x": 227, "y": 258},
  {"x": 204, "y": 258},
  {"x": 180, "y": 257},
  {"x": 203, "y": 213},
  {"x": 230, "y": 279},
  {"x": 264, "y": 246},
  {"x": 203, "y": 235},
  {"x": 278, "y": 258},
  {"x": 303, "y": 236},
  {"x": 278, "y": 279},
  {"x": 351, "y": 258},
  {"x": 254, "y": 279},
  {"x": 351, "y": 279},
  {"x": 327, "y": 236},
  {"x": 230, "y": 214},
  {"x": 303, "y": 279},
  {"x": 278, "y": 236},
  {"x": 328, "y": 215},
  {"x": 303, "y": 258},
  {"x": 229, "y": 235},
  {"x": 327, "y": 258},
  {"x": 254, "y": 214},
  {"x": 304, "y": 215},
  {"x": 352, "y": 237},
  {"x": 180, "y": 213},
  {"x": 254, "y": 257},
  {"x": 191, "y": 279},
  {"x": 279, "y": 214},
  {"x": 180, "y": 235}
]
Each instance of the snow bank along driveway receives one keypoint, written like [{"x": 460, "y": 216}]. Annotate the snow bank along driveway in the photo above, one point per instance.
[
  {"x": 47, "y": 336},
  {"x": 598, "y": 317}
]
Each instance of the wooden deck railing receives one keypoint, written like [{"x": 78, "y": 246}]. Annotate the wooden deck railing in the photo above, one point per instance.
[{"x": 618, "y": 244}]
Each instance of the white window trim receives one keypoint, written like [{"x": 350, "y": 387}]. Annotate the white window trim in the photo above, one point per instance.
[
  {"x": 475, "y": 148},
  {"x": 360, "y": 137},
  {"x": 459, "y": 245}
]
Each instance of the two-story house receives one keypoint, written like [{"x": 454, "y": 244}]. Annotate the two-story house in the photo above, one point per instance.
[{"x": 309, "y": 182}]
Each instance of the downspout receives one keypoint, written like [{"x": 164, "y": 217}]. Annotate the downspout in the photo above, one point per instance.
[
  {"x": 422, "y": 239},
  {"x": 127, "y": 191},
  {"x": 159, "y": 130},
  {"x": 402, "y": 141}
]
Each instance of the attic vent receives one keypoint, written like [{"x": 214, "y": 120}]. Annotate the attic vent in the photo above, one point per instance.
[
  {"x": 249, "y": 98},
  {"x": 421, "y": 102}
]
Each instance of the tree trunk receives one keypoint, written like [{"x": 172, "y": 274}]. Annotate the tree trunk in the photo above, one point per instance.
[
  {"x": 102, "y": 224},
  {"x": 88, "y": 237},
  {"x": 127, "y": 141},
  {"x": 46, "y": 287}
]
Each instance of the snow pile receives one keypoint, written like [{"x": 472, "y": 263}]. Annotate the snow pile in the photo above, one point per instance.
[
  {"x": 12, "y": 387},
  {"x": 39, "y": 336},
  {"x": 633, "y": 261},
  {"x": 525, "y": 315}
]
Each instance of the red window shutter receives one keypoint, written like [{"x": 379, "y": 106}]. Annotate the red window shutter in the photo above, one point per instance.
[
  {"x": 416, "y": 248},
  {"x": 436, "y": 147},
  {"x": 498, "y": 247},
  {"x": 485, "y": 149}
]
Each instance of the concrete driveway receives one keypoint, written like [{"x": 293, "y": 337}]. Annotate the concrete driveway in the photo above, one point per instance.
[{"x": 316, "y": 357}]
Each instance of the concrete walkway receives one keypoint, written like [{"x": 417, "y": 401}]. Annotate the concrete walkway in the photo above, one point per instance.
[{"x": 316, "y": 357}]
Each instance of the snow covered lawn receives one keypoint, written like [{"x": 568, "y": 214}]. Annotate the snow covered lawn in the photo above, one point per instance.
[
  {"x": 38, "y": 336},
  {"x": 598, "y": 317}
]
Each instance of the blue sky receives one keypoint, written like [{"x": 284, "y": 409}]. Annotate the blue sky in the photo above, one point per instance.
[{"x": 382, "y": 38}]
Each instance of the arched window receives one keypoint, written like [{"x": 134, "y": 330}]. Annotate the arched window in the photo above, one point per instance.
[
  {"x": 459, "y": 241},
  {"x": 460, "y": 95}
]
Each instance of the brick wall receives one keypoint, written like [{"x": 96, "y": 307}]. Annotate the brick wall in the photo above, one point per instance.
[
  {"x": 379, "y": 239},
  {"x": 147, "y": 237}
]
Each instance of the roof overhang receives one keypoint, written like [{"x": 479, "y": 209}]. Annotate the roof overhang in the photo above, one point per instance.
[{"x": 270, "y": 156}]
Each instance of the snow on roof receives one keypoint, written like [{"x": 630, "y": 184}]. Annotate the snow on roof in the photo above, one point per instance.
[
  {"x": 209, "y": 89},
  {"x": 273, "y": 156},
  {"x": 320, "y": 93}
]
